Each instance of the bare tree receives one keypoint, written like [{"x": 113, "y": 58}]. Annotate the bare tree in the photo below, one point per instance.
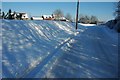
[
  {"x": 118, "y": 11},
  {"x": 117, "y": 20},
  {"x": 84, "y": 19},
  {"x": 58, "y": 13},
  {"x": 94, "y": 20},
  {"x": 68, "y": 17}
]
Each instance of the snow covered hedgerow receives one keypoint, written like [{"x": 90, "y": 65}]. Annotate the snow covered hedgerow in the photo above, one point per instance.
[
  {"x": 117, "y": 27},
  {"x": 111, "y": 24}
]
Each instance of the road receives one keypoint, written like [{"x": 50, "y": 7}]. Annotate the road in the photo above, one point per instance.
[
  {"x": 93, "y": 54},
  {"x": 90, "y": 54}
]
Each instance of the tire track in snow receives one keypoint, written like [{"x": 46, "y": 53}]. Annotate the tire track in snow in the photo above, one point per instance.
[{"x": 32, "y": 72}]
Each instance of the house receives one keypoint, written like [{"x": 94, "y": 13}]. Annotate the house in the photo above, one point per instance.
[
  {"x": 48, "y": 17},
  {"x": 24, "y": 16},
  {"x": 17, "y": 16},
  {"x": 53, "y": 17}
]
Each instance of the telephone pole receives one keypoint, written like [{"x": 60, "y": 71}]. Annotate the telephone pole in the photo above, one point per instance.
[{"x": 77, "y": 14}]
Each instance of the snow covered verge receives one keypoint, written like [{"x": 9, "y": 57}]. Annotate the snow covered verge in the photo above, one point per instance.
[
  {"x": 114, "y": 24},
  {"x": 54, "y": 49},
  {"x": 87, "y": 24}
]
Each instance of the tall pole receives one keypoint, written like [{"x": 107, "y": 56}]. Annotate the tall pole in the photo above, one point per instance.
[{"x": 77, "y": 14}]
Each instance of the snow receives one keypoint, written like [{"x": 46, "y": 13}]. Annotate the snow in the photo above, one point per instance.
[
  {"x": 54, "y": 49},
  {"x": 37, "y": 18},
  {"x": 87, "y": 24}
]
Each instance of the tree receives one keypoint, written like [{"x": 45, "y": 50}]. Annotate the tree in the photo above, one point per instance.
[
  {"x": 9, "y": 14},
  {"x": 58, "y": 13},
  {"x": 68, "y": 17},
  {"x": 3, "y": 15},
  {"x": 118, "y": 11},
  {"x": 84, "y": 19},
  {"x": 117, "y": 20},
  {"x": 20, "y": 16},
  {"x": 87, "y": 18},
  {"x": 94, "y": 20},
  {"x": 0, "y": 14},
  {"x": 31, "y": 18}
]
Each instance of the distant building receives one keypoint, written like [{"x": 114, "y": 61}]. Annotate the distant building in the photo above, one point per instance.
[
  {"x": 48, "y": 17},
  {"x": 53, "y": 17},
  {"x": 18, "y": 16},
  {"x": 24, "y": 16}
]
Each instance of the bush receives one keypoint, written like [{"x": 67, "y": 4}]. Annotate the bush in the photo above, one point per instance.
[
  {"x": 117, "y": 27},
  {"x": 111, "y": 24}
]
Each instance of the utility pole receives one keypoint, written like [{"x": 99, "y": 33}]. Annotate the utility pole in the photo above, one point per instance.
[{"x": 77, "y": 14}]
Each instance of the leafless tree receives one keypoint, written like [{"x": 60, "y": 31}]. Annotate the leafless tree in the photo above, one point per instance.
[
  {"x": 68, "y": 17},
  {"x": 94, "y": 19},
  {"x": 58, "y": 13},
  {"x": 118, "y": 11}
]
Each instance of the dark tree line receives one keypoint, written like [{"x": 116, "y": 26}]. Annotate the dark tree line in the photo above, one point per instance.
[
  {"x": 118, "y": 11},
  {"x": 115, "y": 24},
  {"x": 117, "y": 21}
]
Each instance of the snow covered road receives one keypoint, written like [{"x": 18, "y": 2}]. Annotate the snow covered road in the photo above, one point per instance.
[
  {"x": 55, "y": 49},
  {"x": 91, "y": 55}
]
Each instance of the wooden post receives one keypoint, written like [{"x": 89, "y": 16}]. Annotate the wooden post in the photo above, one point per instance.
[{"x": 77, "y": 14}]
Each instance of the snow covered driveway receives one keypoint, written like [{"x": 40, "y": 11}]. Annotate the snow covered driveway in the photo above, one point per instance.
[{"x": 55, "y": 49}]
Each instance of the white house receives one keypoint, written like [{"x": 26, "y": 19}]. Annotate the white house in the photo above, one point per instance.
[
  {"x": 48, "y": 17},
  {"x": 24, "y": 15}
]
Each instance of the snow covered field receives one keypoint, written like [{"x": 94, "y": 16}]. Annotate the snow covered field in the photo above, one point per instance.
[{"x": 54, "y": 49}]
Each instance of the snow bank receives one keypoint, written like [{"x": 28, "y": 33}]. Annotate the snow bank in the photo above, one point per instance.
[
  {"x": 114, "y": 24},
  {"x": 54, "y": 49},
  {"x": 110, "y": 24},
  {"x": 28, "y": 43},
  {"x": 117, "y": 27},
  {"x": 87, "y": 24}
]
